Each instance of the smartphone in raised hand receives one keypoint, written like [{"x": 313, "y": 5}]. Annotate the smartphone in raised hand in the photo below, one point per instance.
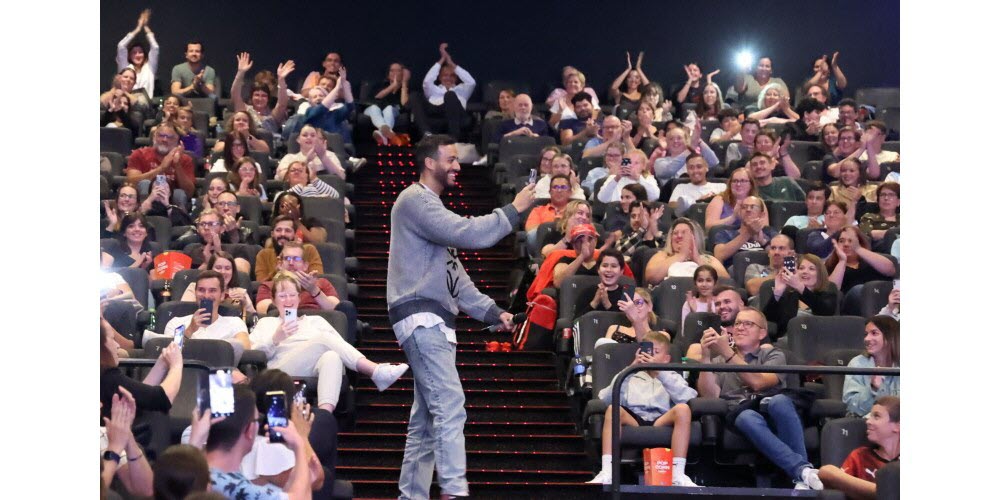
[{"x": 277, "y": 415}]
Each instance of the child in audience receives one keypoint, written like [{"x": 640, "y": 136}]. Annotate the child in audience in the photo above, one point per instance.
[
  {"x": 652, "y": 398},
  {"x": 856, "y": 476},
  {"x": 700, "y": 299}
]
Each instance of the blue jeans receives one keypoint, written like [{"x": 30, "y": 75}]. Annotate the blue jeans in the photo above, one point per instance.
[
  {"x": 436, "y": 431},
  {"x": 785, "y": 445},
  {"x": 382, "y": 117}
]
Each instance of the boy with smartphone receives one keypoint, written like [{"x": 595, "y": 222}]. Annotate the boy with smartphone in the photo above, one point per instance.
[{"x": 652, "y": 398}]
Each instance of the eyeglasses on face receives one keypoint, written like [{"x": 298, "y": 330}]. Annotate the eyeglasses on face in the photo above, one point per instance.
[
  {"x": 292, "y": 258},
  {"x": 208, "y": 224},
  {"x": 745, "y": 324}
]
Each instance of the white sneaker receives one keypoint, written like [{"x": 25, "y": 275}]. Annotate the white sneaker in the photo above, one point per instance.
[
  {"x": 481, "y": 161},
  {"x": 683, "y": 480},
  {"x": 810, "y": 477},
  {"x": 385, "y": 374},
  {"x": 603, "y": 477},
  {"x": 357, "y": 163},
  {"x": 799, "y": 485}
]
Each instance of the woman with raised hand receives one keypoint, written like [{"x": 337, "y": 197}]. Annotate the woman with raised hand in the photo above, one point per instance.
[
  {"x": 132, "y": 54},
  {"x": 626, "y": 90},
  {"x": 260, "y": 96}
]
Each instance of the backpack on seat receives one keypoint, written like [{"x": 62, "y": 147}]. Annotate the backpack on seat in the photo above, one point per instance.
[{"x": 535, "y": 333}]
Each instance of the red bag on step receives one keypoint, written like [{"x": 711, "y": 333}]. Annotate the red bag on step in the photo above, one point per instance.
[{"x": 535, "y": 334}]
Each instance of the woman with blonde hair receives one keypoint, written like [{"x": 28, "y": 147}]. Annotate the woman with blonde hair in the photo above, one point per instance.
[
  {"x": 576, "y": 212},
  {"x": 574, "y": 82},
  {"x": 683, "y": 253},
  {"x": 641, "y": 319}
]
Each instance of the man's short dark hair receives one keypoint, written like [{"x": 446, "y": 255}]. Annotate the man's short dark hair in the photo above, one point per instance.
[
  {"x": 559, "y": 176},
  {"x": 428, "y": 148},
  {"x": 638, "y": 191},
  {"x": 848, "y": 102},
  {"x": 224, "y": 435},
  {"x": 879, "y": 124},
  {"x": 751, "y": 121},
  {"x": 179, "y": 471},
  {"x": 724, "y": 288},
  {"x": 819, "y": 186},
  {"x": 809, "y": 104},
  {"x": 728, "y": 113},
  {"x": 281, "y": 218},
  {"x": 209, "y": 274},
  {"x": 580, "y": 96},
  {"x": 760, "y": 153},
  {"x": 194, "y": 42}
]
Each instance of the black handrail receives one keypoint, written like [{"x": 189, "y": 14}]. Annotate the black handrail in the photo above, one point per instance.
[{"x": 616, "y": 389}]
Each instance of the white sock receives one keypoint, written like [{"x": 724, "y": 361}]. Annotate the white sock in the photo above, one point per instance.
[
  {"x": 679, "y": 464},
  {"x": 606, "y": 463}
]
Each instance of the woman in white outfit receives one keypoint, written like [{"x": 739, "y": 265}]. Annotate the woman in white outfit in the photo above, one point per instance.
[{"x": 308, "y": 347}]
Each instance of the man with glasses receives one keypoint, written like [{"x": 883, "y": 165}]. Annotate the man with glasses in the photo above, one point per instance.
[
  {"x": 206, "y": 240},
  {"x": 165, "y": 158},
  {"x": 753, "y": 234},
  {"x": 317, "y": 293},
  {"x": 559, "y": 192},
  {"x": 233, "y": 229},
  {"x": 612, "y": 130},
  {"x": 773, "y": 426},
  {"x": 283, "y": 233}
]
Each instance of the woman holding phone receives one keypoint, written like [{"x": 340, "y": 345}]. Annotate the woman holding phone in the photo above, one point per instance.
[
  {"x": 639, "y": 311},
  {"x": 308, "y": 346},
  {"x": 800, "y": 293}
]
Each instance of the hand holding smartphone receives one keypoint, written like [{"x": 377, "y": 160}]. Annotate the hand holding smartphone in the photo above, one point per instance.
[
  {"x": 220, "y": 393},
  {"x": 646, "y": 347},
  {"x": 790, "y": 264},
  {"x": 277, "y": 415},
  {"x": 206, "y": 304}
]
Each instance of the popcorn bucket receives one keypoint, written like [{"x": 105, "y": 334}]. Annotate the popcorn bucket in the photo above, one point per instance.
[{"x": 657, "y": 464}]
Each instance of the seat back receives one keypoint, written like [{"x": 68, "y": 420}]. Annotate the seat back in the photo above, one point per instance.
[
  {"x": 323, "y": 206},
  {"x": 588, "y": 164},
  {"x": 536, "y": 243},
  {"x": 339, "y": 283},
  {"x": 523, "y": 145},
  {"x": 520, "y": 165},
  {"x": 694, "y": 326},
  {"x": 335, "y": 182},
  {"x": 573, "y": 286},
  {"x": 874, "y": 296},
  {"x": 336, "y": 232},
  {"x": 594, "y": 325},
  {"x": 767, "y": 291},
  {"x": 216, "y": 353},
  {"x": 575, "y": 150},
  {"x": 116, "y": 140},
  {"x": 697, "y": 213},
  {"x": 779, "y": 211},
  {"x": 833, "y": 385},
  {"x": 880, "y": 97},
  {"x": 251, "y": 209},
  {"x": 802, "y": 236},
  {"x": 117, "y": 161},
  {"x": 138, "y": 280},
  {"x": 183, "y": 278},
  {"x": 337, "y": 320},
  {"x": 743, "y": 259},
  {"x": 812, "y": 170},
  {"x": 887, "y": 482},
  {"x": 839, "y": 438},
  {"x": 609, "y": 359},
  {"x": 333, "y": 257},
  {"x": 812, "y": 337},
  {"x": 161, "y": 228},
  {"x": 170, "y": 310},
  {"x": 640, "y": 257},
  {"x": 491, "y": 92},
  {"x": 669, "y": 297},
  {"x": 246, "y": 251},
  {"x": 801, "y": 151}
]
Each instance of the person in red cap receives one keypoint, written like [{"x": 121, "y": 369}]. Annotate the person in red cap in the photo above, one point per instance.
[{"x": 584, "y": 238}]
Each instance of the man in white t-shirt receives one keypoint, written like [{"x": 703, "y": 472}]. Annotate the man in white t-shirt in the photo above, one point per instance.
[
  {"x": 207, "y": 324},
  {"x": 698, "y": 190}
]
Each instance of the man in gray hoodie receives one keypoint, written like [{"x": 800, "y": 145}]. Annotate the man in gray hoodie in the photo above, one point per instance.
[{"x": 426, "y": 288}]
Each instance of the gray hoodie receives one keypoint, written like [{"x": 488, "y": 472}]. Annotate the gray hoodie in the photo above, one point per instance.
[{"x": 425, "y": 274}]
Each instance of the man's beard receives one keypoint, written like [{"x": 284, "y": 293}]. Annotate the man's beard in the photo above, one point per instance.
[{"x": 163, "y": 149}]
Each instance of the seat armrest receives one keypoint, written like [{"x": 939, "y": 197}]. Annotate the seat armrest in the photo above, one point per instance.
[{"x": 708, "y": 406}]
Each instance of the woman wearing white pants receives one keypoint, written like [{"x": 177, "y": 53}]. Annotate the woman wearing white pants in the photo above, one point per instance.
[{"x": 309, "y": 347}]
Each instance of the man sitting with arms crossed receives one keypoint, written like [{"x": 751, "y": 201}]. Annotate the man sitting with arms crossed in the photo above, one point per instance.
[{"x": 779, "y": 435}]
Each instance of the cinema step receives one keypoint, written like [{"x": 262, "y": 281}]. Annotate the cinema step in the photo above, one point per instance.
[
  {"x": 523, "y": 413},
  {"x": 473, "y": 442},
  {"x": 481, "y": 459},
  {"x": 500, "y": 490},
  {"x": 364, "y": 473},
  {"x": 403, "y": 393},
  {"x": 524, "y": 428},
  {"x": 481, "y": 356}
]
